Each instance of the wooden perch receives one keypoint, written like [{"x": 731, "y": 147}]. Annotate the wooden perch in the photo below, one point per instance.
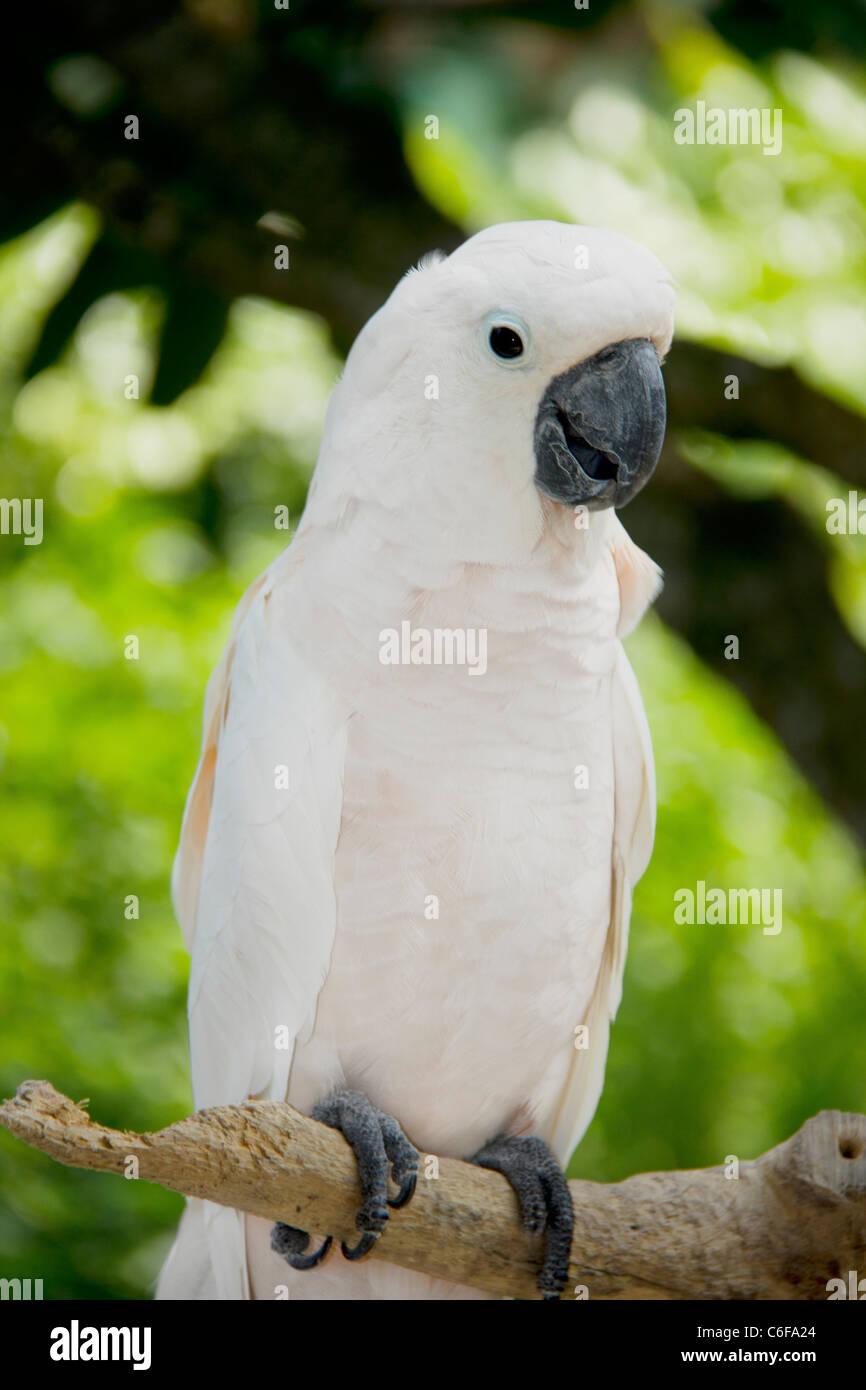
[{"x": 792, "y": 1220}]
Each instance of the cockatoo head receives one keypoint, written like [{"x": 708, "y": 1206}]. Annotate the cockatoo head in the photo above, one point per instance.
[{"x": 524, "y": 365}]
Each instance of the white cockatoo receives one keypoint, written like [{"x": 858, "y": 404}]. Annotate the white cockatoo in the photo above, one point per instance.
[{"x": 426, "y": 784}]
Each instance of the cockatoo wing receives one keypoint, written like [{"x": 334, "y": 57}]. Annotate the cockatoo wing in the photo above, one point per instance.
[
  {"x": 254, "y": 875},
  {"x": 634, "y": 828},
  {"x": 186, "y": 874}
]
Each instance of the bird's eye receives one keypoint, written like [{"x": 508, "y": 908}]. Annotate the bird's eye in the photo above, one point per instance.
[{"x": 505, "y": 341}]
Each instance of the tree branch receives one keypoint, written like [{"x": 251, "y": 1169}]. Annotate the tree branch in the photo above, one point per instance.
[{"x": 792, "y": 1220}]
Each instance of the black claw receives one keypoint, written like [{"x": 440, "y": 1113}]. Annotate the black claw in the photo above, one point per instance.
[
  {"x": 406, "y": 1193},
  {"x": 544, "y": 1200},
  {"x": 290, "y": 1242},
  {"x": 364, "y": 1246},
  {"x": 310, "y": 1261}
]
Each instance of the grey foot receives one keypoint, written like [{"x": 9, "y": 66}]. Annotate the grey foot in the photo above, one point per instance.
[
  {"x": 544, "y": 1199},
  {"x": 377, "y": 1142}
]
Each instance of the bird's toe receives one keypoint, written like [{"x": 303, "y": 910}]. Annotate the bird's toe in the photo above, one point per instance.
[{"x": 543, "y": 1197}]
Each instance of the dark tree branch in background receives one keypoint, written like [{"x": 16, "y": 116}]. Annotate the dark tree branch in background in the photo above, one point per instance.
[
  {"x": 229, "y": 129},
  {"x": 774, "y": 404},
  {"x": 243, "y": 114},
  {"x": 754, "y": 569},
  {"x": 789, "y": 1222}
]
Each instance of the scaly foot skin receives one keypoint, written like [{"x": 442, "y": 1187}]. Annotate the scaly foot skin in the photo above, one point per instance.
[
  {"x": 544, "y": 1199},
  {"x": 377, "y": 1141}
]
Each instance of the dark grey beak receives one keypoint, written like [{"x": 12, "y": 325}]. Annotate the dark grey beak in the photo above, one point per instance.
[{"x": 600, "y": 427}]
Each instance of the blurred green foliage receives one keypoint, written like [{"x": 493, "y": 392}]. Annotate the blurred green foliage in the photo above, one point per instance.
[
  {"x": 154, "y": 522},
  {"x": 157, "y": 518}
]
